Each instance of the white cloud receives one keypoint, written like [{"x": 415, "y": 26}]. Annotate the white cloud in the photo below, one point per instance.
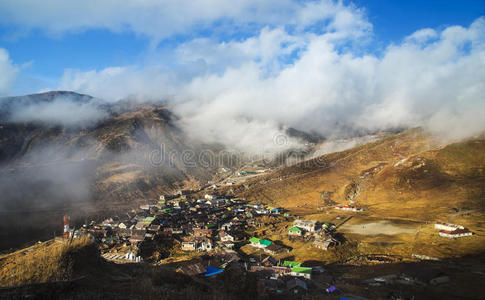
[
  {"x": 8, "y": 72},
  {"x": 433, "y": 79},
  {"x": 121, "y": 82},
  {"x": 337, "y": 145},
  {"x": 266, "y": 48},
  {"x": 422, "y": 35},
  {"x": 159, "y": 19},
  {"x": 62, "y": 110}
]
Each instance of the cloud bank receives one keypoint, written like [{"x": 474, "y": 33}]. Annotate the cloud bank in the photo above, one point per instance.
[
  {"x": 264, "y": 65},
  {"x": 313, "y": 82}
]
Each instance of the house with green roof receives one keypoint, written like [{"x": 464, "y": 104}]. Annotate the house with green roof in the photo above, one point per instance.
[
  {"x": 295, "y": 231},
  {"x": 259, "y": 243},
  {"x": 254, "y": 241},
  {"x": 291, "y": 264},
  {"x": 301, "y": 272},
  {"x": 264, "y": 243}
]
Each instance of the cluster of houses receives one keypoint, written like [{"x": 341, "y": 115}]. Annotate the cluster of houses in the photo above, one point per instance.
[
  {"x": 348, "y": 208},
  {"x": 288, "y": 277},
  {"x": 274, "y": 276},
  {"x": 215, "y": 224},
  {"x": 277, "y": 269},
  {"x": 203, "y": 239},
  {"x": 452, "y": 231},
  {"x": 205, "y": 224},
  {"x": 323, "y": 234}
]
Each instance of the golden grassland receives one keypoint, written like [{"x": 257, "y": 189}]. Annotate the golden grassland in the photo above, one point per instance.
[
  {"x": 410, "y": 237},
  {"x": 300, "y": 186},
  {"x": 47, "y": 261}
]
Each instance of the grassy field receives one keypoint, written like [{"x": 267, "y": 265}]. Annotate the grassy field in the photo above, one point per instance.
[
  {"x": 375, "y": 235},
  {"x": 48, "y": 261}
]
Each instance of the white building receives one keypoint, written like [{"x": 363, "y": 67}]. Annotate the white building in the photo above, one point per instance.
[
  {"x": 304, "y": 272},
  {"x": 226, "y": 226},
  {"x": 210, "y": 197},
  {"x": 447, "y": 226},
  {"x": 225, "y": 237},
  {"x": 455, "y": 233},
  {"x": 205, "y": 245},
  {"x": 188, "y": 246},
  {"x": 307, "y": 225},
  {"x": 130, "y": 256}
]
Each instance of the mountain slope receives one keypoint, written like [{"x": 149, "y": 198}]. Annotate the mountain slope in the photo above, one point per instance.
[
  {"x": 398, "y": 170},
  {"x": 131, "y": 153},
  {"x": 404, "y": 183}
]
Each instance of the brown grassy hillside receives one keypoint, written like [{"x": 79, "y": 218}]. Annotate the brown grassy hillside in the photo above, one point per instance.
[
  {"x": 63, "y": 270},
  {"x": 408, "y": 170},
  {"x": 404, "y": 182},
  {"x": 48, "y": 261}
]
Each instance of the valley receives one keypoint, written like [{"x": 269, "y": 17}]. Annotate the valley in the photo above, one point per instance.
[{"x": 374, "y": 207}]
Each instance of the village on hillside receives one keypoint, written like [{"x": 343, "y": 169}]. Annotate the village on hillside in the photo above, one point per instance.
[
  {"x": 203, "y": 234},
  {"x": 212, "y": 229}
]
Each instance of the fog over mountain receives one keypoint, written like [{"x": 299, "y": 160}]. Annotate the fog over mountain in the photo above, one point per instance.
[
  {"x": 62, "y": 152},
  {"x": 54, "y": 109}
]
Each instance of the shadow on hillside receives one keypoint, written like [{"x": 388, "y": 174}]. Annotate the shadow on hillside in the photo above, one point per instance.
[{"x": 106, "y": 280}]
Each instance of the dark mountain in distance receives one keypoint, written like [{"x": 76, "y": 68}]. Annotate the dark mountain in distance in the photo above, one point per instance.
[
  {"x": 9, "y": 104},
  {"x": 47, "y": 97},
  {"x": 304, "y": 136}
]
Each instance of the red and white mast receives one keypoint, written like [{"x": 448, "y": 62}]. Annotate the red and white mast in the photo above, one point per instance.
[{"x": 67, "y": 229}]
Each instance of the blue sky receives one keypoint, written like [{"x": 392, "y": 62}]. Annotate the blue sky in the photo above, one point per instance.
[
  {"x": 47, "y": 55},
  {"x": 252, "y": 65},
  {"x": 396, "y": 19}
]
